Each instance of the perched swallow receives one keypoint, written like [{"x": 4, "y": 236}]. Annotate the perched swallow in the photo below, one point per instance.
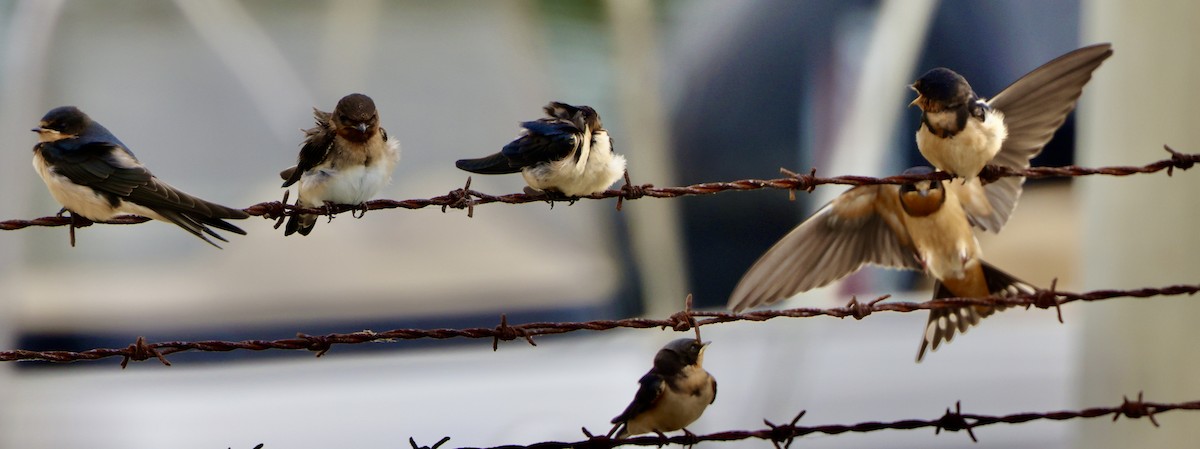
[
  {"x": 922, "y": 226},
  {"x": 92, "y": 174},
  {"x": 345, "y": 159},
  {"x": 960, "y": 133},
  {"x": 568, "y": 152},
  {"x": 673, "y": 394}
]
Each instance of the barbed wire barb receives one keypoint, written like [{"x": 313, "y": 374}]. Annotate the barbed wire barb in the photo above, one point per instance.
[{"x": 465, "y": 198}]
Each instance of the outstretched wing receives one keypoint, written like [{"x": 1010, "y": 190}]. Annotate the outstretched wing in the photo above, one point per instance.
[
  {"x": 860, "y": 226},
  {"x": 1034, "y": 107}
]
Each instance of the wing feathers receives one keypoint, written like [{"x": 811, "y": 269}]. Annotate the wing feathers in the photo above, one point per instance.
[
  {"x": 844, "y": 235},
  {"x": 1034, "y": 107}
]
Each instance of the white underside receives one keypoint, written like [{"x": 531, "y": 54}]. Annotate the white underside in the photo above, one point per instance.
[
  {"x": 967, "y": 152},
  {"x": 83, "y": 200},
  {"x": 352, "y": 185},
  {"x": 599, "y": 167}
]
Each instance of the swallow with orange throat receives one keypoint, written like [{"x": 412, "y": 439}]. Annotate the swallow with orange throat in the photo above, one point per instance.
[
  {"x": 345, "y": 159},
  {"x": 923, "y": 226}
]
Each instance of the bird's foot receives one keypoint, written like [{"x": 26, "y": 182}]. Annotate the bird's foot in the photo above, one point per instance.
[
  {"x": 360, "y": 210},
  {"x": 549, "y": 196},
  {"x": 328, "y": 208}
]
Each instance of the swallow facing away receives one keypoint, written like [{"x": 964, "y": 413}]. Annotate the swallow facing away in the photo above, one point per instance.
[
  {"x": 922, "y": 226},
  {"x": 568, "y": 152},
  {"x": 673, "y": 394},
  {"x": 345, "y": 159},
  {"x": 960, "y": 133},
  {"x": 92, "y": 174}
]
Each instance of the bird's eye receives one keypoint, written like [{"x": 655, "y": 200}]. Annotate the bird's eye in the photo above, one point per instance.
[{"x": 343, "y": 118}]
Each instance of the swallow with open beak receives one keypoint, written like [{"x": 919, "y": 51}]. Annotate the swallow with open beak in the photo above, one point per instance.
[
  {"x": 567, "y": 152},
  {"x": 345, "y": 159},
  {"x": 920, "y": 226},
  {"x": 960, "y": 133},
  {"x": 92, "y": 174},
  {"x": 672, "y": 395}
]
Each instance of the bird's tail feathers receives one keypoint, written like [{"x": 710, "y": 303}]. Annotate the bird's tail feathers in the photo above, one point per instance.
[
  {"x": 303, "y": 224},
  {"x": 944, "y": 323},
  {"x": 495, "y": 164}
]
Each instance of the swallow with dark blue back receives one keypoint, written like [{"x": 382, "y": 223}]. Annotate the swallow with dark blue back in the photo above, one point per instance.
[
  {"x": 960, "y": 132},
  {"x": 672, "y": 395},
  {"x": 568, "y": 152},
  {"x": 92, "y": 174}
]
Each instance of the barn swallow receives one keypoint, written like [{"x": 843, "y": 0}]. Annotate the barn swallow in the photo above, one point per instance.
[
  {"x": 92, "y": 174},
  {"x": 960, "y": 132},
  {"x": 345, "y": 159},
  {"x": 673, "y": 394},
  {"x": 921, "y": 226},
  {"x": 568, "y": 152}
]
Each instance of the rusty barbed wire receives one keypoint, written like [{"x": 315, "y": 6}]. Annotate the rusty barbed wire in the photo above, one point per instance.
[
  {"x": 954, "y": 420},
  {"x": 681, "y": 321},
  {"x": 465, "y": 198}
]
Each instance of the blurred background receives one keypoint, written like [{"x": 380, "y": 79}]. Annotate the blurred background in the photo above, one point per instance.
[{"x": 210, "y": 94}]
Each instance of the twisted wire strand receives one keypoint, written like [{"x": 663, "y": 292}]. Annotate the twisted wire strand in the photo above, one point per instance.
[
  {"x": 465, "y": 198},
  {"x": 681, "y": 321},
  {"x": 783, "y": 435}
]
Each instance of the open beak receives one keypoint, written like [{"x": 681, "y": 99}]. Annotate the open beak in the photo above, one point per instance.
[{"x": 916, "y": 101}]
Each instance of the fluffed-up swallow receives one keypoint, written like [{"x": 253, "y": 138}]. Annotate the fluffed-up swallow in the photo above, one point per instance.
[
  {"x": 673, "y": 394},
  {"x": 92, "y": 174},
  {"x": 922, "y": 226},
  {"x": 568, "y": 152},
  {"x": 960, "y": 132},
  {"x": 345, "y": 159}
]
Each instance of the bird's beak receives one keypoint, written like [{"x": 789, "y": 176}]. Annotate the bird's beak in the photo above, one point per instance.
[
  {"x": 916, "y": 100},
  {"x": 37, "y": 130},
  {"x": 362, "y": 128}
]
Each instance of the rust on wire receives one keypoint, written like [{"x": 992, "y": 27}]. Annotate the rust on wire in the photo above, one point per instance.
[
  {"x": 954, "y": 420},
  {"x": 679, "y": 321},
  {"x": 465, "y": 198}
]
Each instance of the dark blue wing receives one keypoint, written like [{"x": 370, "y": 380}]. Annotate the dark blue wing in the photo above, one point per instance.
[
  {"x": 544, "y": 140},
  {"x": 495, "y": 164},
  {"x": 112, "y": 171},
  {"x": 651, "y": 389}
]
